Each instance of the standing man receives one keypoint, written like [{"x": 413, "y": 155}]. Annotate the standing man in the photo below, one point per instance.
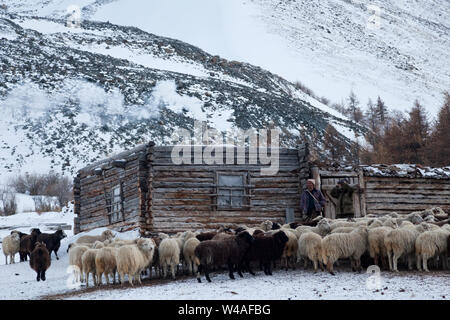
[
  {"x": 312, "y": 201},
  {"x": 344, "y": 195}
]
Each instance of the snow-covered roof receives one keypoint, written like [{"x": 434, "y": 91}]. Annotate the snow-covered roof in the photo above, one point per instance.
[{"x": 394, "y": 170}]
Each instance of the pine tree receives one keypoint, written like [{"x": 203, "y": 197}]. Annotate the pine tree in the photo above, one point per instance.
[
  {"x": 438, "y": 149},
  {"x": 415, "y": 134},
  {"x": 381, "y": 110},
  {"x": 332, "y": 145},
  {"x": 373, "y": 122},
  {"x": 353, "y": 110}
]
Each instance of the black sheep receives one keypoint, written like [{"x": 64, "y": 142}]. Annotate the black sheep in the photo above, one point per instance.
[
  {"x": 448, "y": 245},
  {"x": 40, "y": 260},
  {"x": 230, "y": 252},
  {"x": 294, "y": 225},
  {"x": 276, "y": 226},
  {"x": 52, "y": 241},
  {"x": 27, "y": 244},
  {"x": 265, "y": 249}
]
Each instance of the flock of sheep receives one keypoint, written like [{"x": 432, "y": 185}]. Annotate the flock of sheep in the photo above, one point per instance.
[
  {"x": 37, "y": 246},
  {"x": 416, "y": 237}
]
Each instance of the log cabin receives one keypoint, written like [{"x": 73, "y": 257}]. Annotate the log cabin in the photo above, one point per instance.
[{"x": 144, "y": 189}]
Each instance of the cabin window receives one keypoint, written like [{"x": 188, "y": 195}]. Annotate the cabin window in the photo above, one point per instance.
[
  {"x": 231, "y": 191},
  {"x": 115, "y": 204}
]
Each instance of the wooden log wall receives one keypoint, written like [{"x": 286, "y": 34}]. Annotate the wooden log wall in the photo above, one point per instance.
[
  {"x": 404, "y": 195},
  {"x": 386, "y": 194},
  {"x": 90, "y": 200},
  {"x": 76, "y": 204},
  {"x": 183, "y": 197}
]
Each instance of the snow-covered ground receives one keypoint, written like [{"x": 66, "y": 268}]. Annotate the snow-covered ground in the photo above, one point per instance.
[
  {"x": 285, "y": 285},
  {"x": 18, "y": 281}
]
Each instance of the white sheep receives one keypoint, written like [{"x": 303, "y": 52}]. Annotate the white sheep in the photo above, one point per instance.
[
  {"x": 107, "y": 234},
  {"x": 290, "y": 249},
  {"x": 377, "y": 249},
  {"x": 414, "y": 217},
  {"x": 266, "y": 225},
  {"x": 98, "y": 245},
  {"x": 169, "y": 255},
  {"x": 132, "y": 259},
  {"x": 189, "y": 255},
  {"x": 362, "y": 222},
  {"x": 402, "y": 241},
  {"x": 430, "y": 244},
  {"x": 310, "y": 246},
  {"x": 163, "y": 235},
  {"x": 11, "y": 246},
  {"x": 117, "y": 243},
  {"x": 340, "y": 223},
  {"x": 76, "y": 251},
  {"x": 343, "y": 230},
  {"x": 345, "y": 245},
  {"x": 393, "y": 215},
  {"x": 88, "y": 265},
  {"x": 106, "y": 263},
  {"x": 405, "y": 223},
  {"x": 391, "y": 223},
  {"x": 375, "y": 224},
  {"x": 323, "y": 228}
]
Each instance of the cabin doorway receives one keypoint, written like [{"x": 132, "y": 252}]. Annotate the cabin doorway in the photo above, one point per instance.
[{"x": 328, "y": 182}]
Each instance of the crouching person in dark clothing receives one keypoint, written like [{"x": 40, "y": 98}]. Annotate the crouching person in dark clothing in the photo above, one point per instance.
[{"x": 312, "y": 201}]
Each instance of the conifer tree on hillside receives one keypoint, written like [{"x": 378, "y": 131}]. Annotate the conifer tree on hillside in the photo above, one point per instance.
[
  {"x": 438, "y": 149},
  {"x": 332, "y": 145},
  {"x": 381, "y": 110},
  {"x": 415, "y": 134},
  {"x": 353, "y": 109}
]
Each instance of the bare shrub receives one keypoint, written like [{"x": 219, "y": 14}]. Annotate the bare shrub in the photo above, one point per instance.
[
  {"x": 305, "y": 89},
  {"x": 44, "y": 204},
  {"x": 29, "y": 183},
  {"x": 50, "y": 184}
]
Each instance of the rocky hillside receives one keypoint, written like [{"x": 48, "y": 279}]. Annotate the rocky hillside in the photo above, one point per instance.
[{"x": 70, "y": 96}]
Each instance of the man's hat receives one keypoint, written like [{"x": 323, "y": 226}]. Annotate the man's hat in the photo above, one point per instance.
[{"x": 313, "y": 181}]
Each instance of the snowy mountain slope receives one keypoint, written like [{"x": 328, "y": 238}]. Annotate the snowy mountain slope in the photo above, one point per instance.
[
  {"x": 324, "y": 44},
  {"x": 72, "y": 96}
]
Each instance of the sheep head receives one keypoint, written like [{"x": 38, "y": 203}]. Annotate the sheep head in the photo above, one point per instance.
[
  {"x": 244, "y": 237},
  {"x": 60, "y": 234},
  {"x": 324, "y": 225},
  {"x": 145, "y": 244},
  {"x": 276, "y": 226},
  {"x": 266, "y": 225},
  {"x": 40, "y": 245},
  {"x": 108, "y": 234},
  {"x": 416, "y": 218},
  {"x": 35, "y": 231},
  {"x": 281, "y": 237},
  {"x": 15, "y": 236}
]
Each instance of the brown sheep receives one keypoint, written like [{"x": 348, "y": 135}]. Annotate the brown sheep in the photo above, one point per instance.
[
  {"x": 222, "y": 236},
  {"x": 27, "y": 243},
  {"x": 40, "y": 260}
]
